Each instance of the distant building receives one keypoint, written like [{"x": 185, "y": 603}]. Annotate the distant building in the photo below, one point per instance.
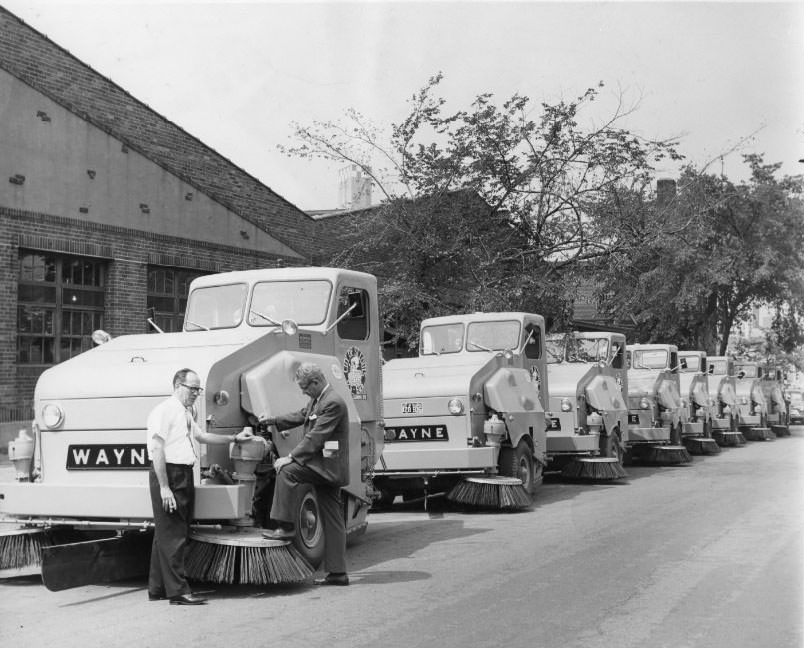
[
  {"x": 354, "y": 188},
  {"x": 107, "y": 209}
]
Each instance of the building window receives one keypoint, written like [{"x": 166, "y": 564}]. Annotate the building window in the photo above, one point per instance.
[
  {"x": 59, "y": 304},
  {"x": 167, "y": 297}
]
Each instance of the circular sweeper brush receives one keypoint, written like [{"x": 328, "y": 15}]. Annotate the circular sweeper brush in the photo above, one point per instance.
[
  {"x": 701, "y": 445},
  {"x": 243, "y": 556},
  {"x": 491, "y": 492},
  {"x": 668, "y": 455},
  {"x": 595, "y": 468}
]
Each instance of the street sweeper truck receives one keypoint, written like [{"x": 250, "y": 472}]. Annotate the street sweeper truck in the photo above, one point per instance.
[
  {"x": 655, "y": 413},
  {"x": 772, "y": 383},
  {"x": 81, "y": 503},
  {"x": 752, "y": 409},
  {"x": 698, "y": 405},
  {"x": 723, "y": 389},
  {"x": 587, "y": 410},
  {"x": 466, "y": 418}
]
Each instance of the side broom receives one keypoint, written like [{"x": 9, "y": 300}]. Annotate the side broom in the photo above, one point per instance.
[
  {"x": 491, "y": 492},
  {"x": 237, "y": 553}
]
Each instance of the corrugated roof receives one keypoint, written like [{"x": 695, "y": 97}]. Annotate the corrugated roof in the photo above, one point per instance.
[{"x": 50, "y": 69}]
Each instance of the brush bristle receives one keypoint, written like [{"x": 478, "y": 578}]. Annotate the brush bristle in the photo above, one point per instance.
[
  {"x": 780, "y": 430},
  {"x": 668, "y": 455},
  {"x": 759, "y": 434},
  {"x": 245, "y": 565},
  {"x": 490, "y": 494},
  {"x": 701, "y": 445},
  {"x": 729, "y": 439},
  {"x": 599, "y": 469},
  {"x": 21, "y": 548}
]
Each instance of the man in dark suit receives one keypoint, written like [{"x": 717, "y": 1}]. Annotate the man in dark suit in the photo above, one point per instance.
[{"x": 325, "y": 418}]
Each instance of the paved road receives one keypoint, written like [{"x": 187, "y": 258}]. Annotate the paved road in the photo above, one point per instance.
[{"x": 705, "y": 555}]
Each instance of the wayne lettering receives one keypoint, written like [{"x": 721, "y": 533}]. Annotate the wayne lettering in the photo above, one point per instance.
[
  {"x": 418, "y": 433},
  {"x": 107, "y": 457}
]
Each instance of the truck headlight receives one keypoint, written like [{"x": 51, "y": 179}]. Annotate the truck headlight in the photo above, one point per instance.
[
  {"x": 744, "y": 400},
  {"x": 52, "y": 415},
  {"x": 455, "y": 406},
  {"x": 566, "y": 405},
  {"x": 644, "y": 404}
]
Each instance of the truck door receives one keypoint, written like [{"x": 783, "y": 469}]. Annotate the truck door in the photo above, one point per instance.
[{"x": 357, "y": 348}]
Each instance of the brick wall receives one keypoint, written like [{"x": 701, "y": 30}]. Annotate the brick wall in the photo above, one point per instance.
[{"x": 128, "y": 254}]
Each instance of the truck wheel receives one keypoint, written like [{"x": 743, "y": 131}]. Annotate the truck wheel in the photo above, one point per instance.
[
  {"x": 677, "y": 433},
  {"x": 610, "y": 446},
  {"x": 309, "y": 538},
  {"x": 518, "y": 462}
]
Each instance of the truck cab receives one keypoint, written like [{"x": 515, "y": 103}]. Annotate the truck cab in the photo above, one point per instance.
[
  {"x": 587, "y": 410},
  {"x": 655, "y": 412},
  {"x": 695, "y": 397},
  {"x": 471, "y": 404},
  {"x": 752, "y": 408},
  {"x": 772, "y": 383}
]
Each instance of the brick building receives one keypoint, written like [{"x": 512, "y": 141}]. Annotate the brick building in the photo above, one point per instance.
[{"x": 108, "y": 209}]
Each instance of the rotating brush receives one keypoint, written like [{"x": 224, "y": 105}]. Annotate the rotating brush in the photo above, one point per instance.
[
  {"x": 759, "y": 434},
  {"x": 237, "y": 552},
  {"x": 729, "y": 438},
  {"x": 21, "y": 551},
  {"x": 594, "y": 468},
  {"x": 491, "y": 492},
  {"x": 701, "y": 445},
  {"x": 780, "y": 430},
  {"x": 668, "y": 455}
]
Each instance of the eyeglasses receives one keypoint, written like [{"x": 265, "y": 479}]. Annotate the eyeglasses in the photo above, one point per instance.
[{"x": 195, "y": 390}]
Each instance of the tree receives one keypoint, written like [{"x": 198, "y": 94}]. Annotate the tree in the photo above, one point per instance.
[
  {"x": 722, "y": 249},
  {"x": 534, "y": 171}
]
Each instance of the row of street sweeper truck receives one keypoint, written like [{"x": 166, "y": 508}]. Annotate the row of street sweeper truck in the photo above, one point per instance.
[{"x": 489, "y": 404}]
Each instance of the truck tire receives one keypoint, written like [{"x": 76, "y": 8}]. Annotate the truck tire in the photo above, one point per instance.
[
  {"x": 309, "y": 538},
  {"x": 518, "y": 462},
  {"x": 677, "y": 434},
  {"x": 610, "y": 446}
]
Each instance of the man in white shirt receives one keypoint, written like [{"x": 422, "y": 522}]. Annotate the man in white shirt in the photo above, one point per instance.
[{"x": 170, "y": 434}]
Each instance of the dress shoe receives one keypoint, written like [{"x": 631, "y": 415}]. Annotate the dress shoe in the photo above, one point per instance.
[
  {"x": 333, "y": 579},
  {"x": 159, "y": 596},
  {"x": 279, "y": 534},
  {"x": 187, "y": 599}
]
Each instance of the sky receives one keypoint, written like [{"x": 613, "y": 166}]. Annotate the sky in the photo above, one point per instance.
[{"x": 724, "y": 77}]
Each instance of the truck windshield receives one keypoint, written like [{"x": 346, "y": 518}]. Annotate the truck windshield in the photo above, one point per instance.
[
  {"x": 492, "y": 336},
  {"x": 592, "y": 350},
  {"x": 693, "y": 363},
  {"x": 718, "y": 367},
  {"x": 749, "y": 370},
  {"x": 653, "y": 359},
  {"x": 215, "y": 307},
  {"x": 442, "y": 338},
  {"x": 555, "y": 350},
  {"x": 304, "y": 302}
]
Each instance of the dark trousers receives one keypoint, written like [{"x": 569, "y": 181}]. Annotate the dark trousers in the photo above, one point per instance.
[
  {"x": 285, "y": 506},
  {"x": 171, "y": 532}
]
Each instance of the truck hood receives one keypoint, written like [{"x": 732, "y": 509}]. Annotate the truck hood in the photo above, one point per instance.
[
  {"x": 139, "y": 365},
  {"x": 563, "y": 378},
  {"x": 431, "y": 375}
]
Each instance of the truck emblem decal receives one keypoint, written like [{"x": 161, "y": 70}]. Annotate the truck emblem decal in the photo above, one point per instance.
[{"x": 354, "y": 366}]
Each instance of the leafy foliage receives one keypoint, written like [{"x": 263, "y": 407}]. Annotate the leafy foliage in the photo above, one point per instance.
[
  {"x": 710, "y": 254},
  {"x": 486, "y": 208}
]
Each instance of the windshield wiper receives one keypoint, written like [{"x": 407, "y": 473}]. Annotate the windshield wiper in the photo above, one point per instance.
[
  {"x": 201, "y": 326},
  {"x": 265, "y": 317},
  {"x": 480, "y": 346}
]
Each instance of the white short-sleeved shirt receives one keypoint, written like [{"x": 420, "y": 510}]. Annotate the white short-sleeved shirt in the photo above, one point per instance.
[{"x": 169, "y": 421}]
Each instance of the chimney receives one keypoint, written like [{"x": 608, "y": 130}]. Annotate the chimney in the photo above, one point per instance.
[
  {"x": 354, "y": 188},
  {"x": 665, "y": 191}
]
